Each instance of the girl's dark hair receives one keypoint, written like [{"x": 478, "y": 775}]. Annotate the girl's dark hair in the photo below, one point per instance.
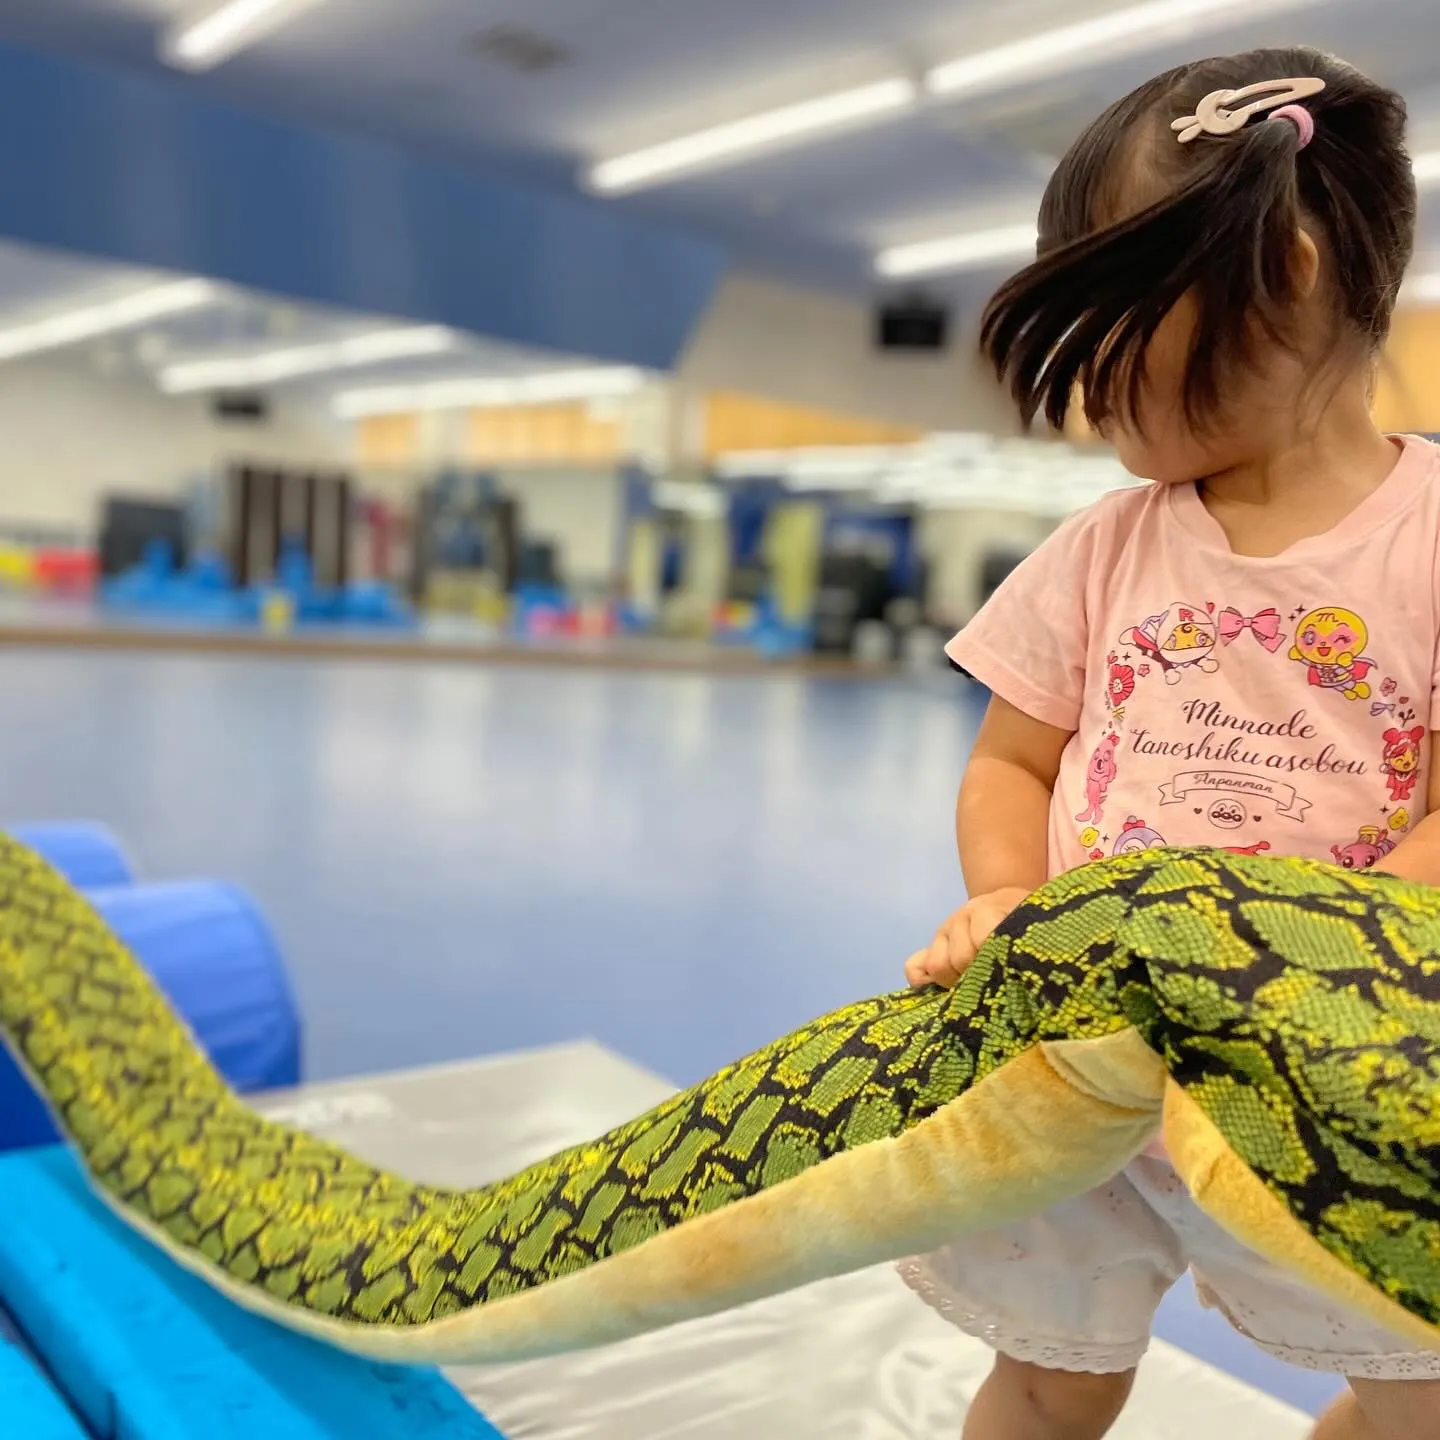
[{"x": 1223, "y": 232}]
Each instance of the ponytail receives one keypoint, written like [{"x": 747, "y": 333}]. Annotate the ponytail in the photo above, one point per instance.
[{"x": 1223, "y": 240}]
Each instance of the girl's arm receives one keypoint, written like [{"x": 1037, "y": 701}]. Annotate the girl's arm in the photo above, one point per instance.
[
  {"x": 1002, "y": 818},
  {"x": 1002, "y": 826}
]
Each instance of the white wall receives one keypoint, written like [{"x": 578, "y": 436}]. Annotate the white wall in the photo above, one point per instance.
[
  {"x": 954, "y": 544},
  {"x": 809, "y": 348},
  {"x": 69, "y": 434},
  {"x": 578, "y": 510}
]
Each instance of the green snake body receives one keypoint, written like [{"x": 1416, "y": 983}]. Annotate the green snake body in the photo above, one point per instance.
[{"x": 1295, "y": 1005}]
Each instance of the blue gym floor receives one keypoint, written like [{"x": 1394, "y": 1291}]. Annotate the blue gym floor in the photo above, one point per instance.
[{"x": 474, "y": 859}]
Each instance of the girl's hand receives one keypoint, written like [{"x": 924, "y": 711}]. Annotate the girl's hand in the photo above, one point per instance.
[{"x": 959, "y": 939}]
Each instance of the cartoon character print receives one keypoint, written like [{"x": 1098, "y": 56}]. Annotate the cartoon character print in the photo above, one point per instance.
[
  {"x": 1099, "y": 777},
  {"x": 1181, "y": 638},
  {"x": 1227, "y": 813},
  {"x": 1119, "y": 687},
  {"x": 1400, "y": 761},
  {"x": 1331, "y": 642},
  {"x": 1136, "y": 836},
  {"x": 1365, "y": 853}
]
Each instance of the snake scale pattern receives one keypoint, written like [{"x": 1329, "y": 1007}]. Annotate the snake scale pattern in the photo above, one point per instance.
[{"x": 1296, "y": 1004}]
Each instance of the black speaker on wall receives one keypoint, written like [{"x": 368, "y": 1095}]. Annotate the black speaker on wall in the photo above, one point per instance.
[
  {"x": 912, "y": 323},
  {"x": 247, "y": 407}
]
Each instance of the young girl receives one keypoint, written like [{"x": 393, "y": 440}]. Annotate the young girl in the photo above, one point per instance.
[{"x": 1222, "y": 657}]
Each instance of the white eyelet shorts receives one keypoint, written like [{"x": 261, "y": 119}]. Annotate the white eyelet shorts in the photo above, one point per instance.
[{"x": 1077, "y": 1287}]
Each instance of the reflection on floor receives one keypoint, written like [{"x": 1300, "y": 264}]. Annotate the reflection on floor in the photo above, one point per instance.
[{"x": 468, "y": 860}]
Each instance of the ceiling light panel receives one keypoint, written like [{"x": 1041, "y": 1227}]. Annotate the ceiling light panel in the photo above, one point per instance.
[
  {"x": 758, "y": 134},
  {"x": 491, "y": 391},
  {"x": 110, "y": 316},
  {"x": 1421, "y": 290},
  {"x": 1109, "y": 36},
  {"x": 297, "y": 361},
  {"x": 201, "y": 40},
  {"x": 1067, "y": 48},
  {"x": 969, "y": 250}
]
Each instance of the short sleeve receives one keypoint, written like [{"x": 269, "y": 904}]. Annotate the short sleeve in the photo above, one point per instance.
[
  {"x": 1029, "y": 642},
  {"x": 1435, "y": 671},
  {"x": 1432, "y": 454},
  {"x": 1434, "y": 716}
]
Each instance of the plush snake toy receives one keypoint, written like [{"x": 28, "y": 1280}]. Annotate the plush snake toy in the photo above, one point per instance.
[{"x": 1282, "y": 1018}]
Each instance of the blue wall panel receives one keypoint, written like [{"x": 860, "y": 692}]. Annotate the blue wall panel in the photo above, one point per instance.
[{"x": 154, "y": 172}]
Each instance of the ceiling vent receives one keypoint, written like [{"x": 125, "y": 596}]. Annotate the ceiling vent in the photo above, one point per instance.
[{"x": 519, "y": 49}]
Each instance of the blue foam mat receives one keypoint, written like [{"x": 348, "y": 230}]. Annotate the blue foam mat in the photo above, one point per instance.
[
  {"x": 145, "y": 1351},
  {"x": 29, "y": 1407}
]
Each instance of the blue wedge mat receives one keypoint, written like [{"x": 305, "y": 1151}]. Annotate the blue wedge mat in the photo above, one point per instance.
[
  {"x": 86, "y": 854},
  {"x": 212, "y": 953},
  {"x": 29, "y": 1407},
  {"x": 146, "y": 1351}
]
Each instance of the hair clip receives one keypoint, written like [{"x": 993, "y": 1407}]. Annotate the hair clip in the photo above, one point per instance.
[{"x": 1218, "y": 115}]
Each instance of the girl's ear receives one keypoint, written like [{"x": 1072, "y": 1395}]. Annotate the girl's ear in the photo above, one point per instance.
[{"x": 1307, "y": 265}]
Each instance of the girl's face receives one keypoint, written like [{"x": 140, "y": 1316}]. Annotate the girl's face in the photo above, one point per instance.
[
  {"x": 1157, "y": 443},
  {"x": 1258, "y": 408}
]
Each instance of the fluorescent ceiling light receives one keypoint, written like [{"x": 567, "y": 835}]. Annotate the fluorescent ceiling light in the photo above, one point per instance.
[
  {"x": 1421, "y": 290},
  {"x": 1137, "y": 28},
  {"x": 233, "y": 371},
  {"x": 105, "y": 317},
  {"x": 488, "y": 392},
  {"x": 766, "y": 131},
  {"x": 203, "y": 41},
  {"x": 972, "y": 250}
]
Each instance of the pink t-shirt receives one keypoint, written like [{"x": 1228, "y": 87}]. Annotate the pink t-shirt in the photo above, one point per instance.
[
  {"x": 1278, "y": 705},
  {"x": 1281, "y": 705}
]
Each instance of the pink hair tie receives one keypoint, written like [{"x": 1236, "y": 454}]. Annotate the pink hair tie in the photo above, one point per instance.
[{"x": 1304, "y": 121}]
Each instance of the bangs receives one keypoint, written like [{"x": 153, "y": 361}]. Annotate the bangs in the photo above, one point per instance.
[{"x": 1081, "y": 319}]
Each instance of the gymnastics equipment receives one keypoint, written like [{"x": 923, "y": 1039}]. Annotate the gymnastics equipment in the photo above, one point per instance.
[{"x": 1278, "y": 1019}]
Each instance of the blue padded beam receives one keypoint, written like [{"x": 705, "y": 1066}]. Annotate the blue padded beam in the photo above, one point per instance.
[
  {"x": 146, "y": 1351},
  {"x": 211, "y": 952},
  {"x": 154, "y": 171}
]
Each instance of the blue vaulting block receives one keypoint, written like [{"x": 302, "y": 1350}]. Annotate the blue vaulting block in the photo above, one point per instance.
[
  {"x": 146, "y": 1351},
  {"x": 28, "y": 1404}
]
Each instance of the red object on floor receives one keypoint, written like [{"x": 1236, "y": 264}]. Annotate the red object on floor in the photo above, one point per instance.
[{"x": 71, "y": 571}]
